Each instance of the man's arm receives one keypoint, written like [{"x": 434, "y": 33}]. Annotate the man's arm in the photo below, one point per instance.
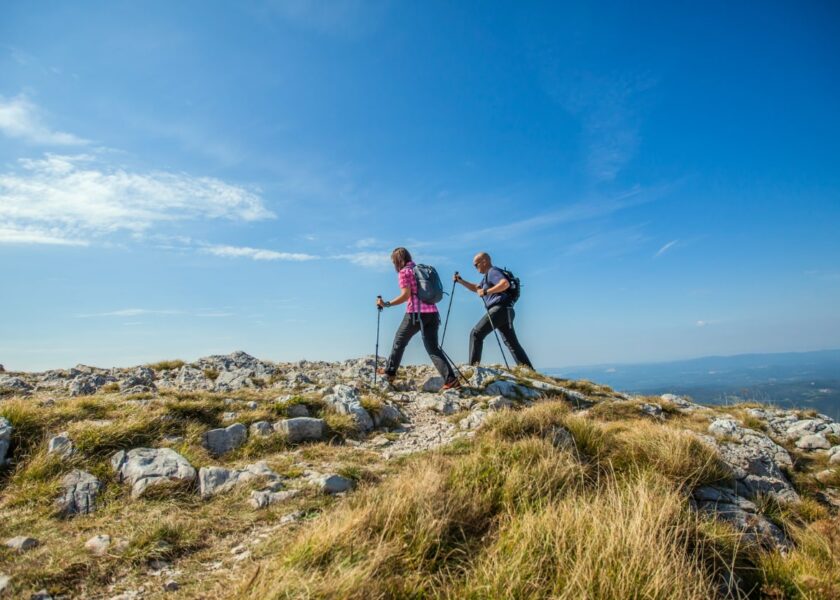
[
  {"x": 470, "y": 286},
  {"x": 498, "y": 288}
]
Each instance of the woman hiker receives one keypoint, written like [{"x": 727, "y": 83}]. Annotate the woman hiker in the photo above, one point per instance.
[{"x": 415, "y": 312}]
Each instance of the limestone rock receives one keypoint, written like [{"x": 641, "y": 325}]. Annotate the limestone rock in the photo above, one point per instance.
[
  {"x": 302, "y": 429},
  {"x": 216, "y": 480},
  {"x": 654, "y": 410},
  {"x": 814, "y": 441},
  {"x": 98, "y": 544},
  {"x": 61, "y": 445},
  {"x": 387, "y": 416},
  {"x": 14, "y": 385},
  {"x": 148, "y": 467},
  {"x": 85, "y": 385},
  {"x": 261, "y": 428},
  {"x": 261, "y": 499},
  {"x": 482, "y": 375},
  {"x": 79, "y": 492},
  {"x": 334, "y": 484},
  {"x": 5, "y": 580},
  {"x": 347, "y": 401},
  {"x": 21, "y": 543},
  {"x": 432, "y": 384},
  {"x": 5, "y": 439},
  {"x": 756, "y": 460},
  {"x": 725, "y": 505},
  {"x": 444, "y": 404},
  {"x": 219, "y": 441},
  {"x": 509, "y": 389}
]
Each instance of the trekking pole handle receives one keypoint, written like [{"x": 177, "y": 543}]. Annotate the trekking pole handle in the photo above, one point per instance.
[{"x": 377, "y": 306}]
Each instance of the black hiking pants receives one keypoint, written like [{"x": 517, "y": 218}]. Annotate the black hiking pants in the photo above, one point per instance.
[
  {"x": 411, "y": 325},
  {"x": 503, "y": 320}
]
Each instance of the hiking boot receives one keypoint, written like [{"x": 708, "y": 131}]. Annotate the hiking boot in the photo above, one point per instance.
[
  {"x": 452, "y": 384},
  {"x": 385, "y": 375}
]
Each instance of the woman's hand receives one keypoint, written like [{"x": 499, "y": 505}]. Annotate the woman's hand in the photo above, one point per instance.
[{"x": 379, "y": 302}]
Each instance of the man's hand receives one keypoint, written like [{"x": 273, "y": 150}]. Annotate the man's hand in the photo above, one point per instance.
[
  {"x": 481, "y": 293},
  {"x": 456, "y": 277}
]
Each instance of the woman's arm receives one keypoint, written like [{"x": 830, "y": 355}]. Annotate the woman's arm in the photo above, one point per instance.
[{"x": 403, "y": 297}]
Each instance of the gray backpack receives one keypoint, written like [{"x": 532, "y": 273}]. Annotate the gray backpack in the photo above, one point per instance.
[{"x": 429, "y": 286}]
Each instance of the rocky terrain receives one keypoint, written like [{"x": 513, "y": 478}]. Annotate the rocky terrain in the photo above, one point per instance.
[{"x": 181, "y": 479}]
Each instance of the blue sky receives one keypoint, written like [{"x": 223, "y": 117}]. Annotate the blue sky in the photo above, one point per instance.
[{"x": 181, "y": 179}]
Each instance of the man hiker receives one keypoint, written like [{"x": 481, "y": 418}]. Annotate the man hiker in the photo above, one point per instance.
[{"x": 493, "y": 289}]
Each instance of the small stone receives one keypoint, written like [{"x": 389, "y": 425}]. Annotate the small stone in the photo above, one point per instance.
[
  {"x": 61, "y": 445},
  {"x": 41, "y": 595},
  {"x": 145, "y": 467},
  {"x": 724, "y": 428},
  {"x": 265, "y": 498},
  {"x": 825, "y": 476},
  {"x": 220, "y": 441},
  {"x": 5, "y": 438},
  {"x": 228, "y": 416},
  {"x": 297, "y": 410},
  {"x": 252, "y": 405},
  {"x": 334, "y": 484},
  {"x": 21, "y": 543},
  {"x": 301, "y": 429},
  {"x": 654, "y": 410},
  {"x": 79, "y": 492},
  {"x": 98, "y": 544},
  {"x": 261, "y": 428},
  {"x": 5, "y": 580},
  {"x": 813, "y": 442},
  {"x": 510, "y": 389},
  {"x": 432, "y": 384},
  {"x": 171, "y": 586}
]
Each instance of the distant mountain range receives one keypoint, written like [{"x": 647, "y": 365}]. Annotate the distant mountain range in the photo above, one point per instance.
[{"x": 789, "y": 379}]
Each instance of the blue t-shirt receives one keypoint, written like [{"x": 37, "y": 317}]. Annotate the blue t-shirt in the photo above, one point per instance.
[{"x": 492, "y": 278}]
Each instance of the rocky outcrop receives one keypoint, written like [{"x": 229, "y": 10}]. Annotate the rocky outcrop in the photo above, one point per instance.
[
  {"x": 144, "y": 468},
  {"x": 346, "y": 400},
  {"x": 756, "y": 460},
  {"x": 727, "y": 506},
  {"x": 85, "y": 385},
  {"x": 13, "y": 385}
]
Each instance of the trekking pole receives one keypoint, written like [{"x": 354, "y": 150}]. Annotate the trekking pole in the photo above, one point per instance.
[
  {"x": 448, "y": 310},
  {"x": 487, "y": 310},
  {"x": 376, "y": 354}
]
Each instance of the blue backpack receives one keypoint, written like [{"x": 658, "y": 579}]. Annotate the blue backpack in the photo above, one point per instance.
[{"x": 429, "y": 286}]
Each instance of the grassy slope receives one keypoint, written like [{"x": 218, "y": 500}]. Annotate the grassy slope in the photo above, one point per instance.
[{"x": 506, "y": 514}]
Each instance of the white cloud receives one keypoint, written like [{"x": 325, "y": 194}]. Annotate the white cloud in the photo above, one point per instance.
[
  {"x": 665, "y": 248},
  {"x": 370, "y": 260},
  {"x": 10, "y": 234},
  {"x": 257, "y": 253},
  {"x": 20, "y": 118},
  {"x": 132, "y": 312},
  {"x": 74, "y": 197},
  {"x": 365, "y": 243}
]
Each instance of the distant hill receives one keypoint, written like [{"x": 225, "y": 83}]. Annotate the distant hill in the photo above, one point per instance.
[{"x": 791, "y": 379}]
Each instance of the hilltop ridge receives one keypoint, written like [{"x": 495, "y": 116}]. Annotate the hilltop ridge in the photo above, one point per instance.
[{"x": 232, "y": 476}]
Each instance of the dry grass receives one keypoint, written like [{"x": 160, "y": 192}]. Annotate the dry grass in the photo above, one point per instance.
[{"x": 511, "y": 515}]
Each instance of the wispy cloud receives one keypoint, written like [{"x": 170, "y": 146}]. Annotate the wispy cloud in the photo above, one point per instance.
[
  {"x": 665, "y": 248},
  {"x": 12, "y": 234},
  {"x": 257, "y": 253},
  {"x": 370, "y": 260},
  {"x": 609, "y": 111},
  {"x": 365, "y": 243},
  {"x": 132, "y": 312},
  {"x": 20, "y": 118},
  {"x": 578, "y": 211},
  {"x": 66, "y": 199}
]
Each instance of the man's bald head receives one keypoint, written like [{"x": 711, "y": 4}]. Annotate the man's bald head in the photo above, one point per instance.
[{"x": 482, "y": 262}]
